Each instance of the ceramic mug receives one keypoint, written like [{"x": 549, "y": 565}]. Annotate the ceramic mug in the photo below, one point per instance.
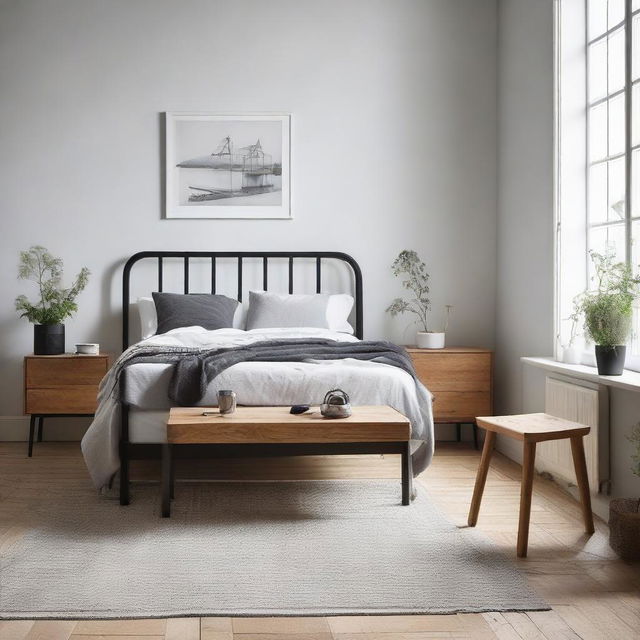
[{"x": 226, "y": 401}]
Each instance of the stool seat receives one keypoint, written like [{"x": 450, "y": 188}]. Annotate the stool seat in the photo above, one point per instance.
[{"x": 532, "y": 428}]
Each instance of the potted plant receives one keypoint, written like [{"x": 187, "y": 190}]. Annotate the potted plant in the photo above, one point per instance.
[
  {"x": 624, "y": 514},
  {"x": 417, "y": 281},
  {"x": 608, "y": 311},
  {"x": 55, "y": 304}
]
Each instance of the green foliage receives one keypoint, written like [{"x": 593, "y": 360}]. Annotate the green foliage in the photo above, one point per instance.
[
  {"x": 608, "y": 309},
  {"x": 634, "y": 438},
  {"x": 56, "y": 303},
  {"x": 417, "y": 282}
]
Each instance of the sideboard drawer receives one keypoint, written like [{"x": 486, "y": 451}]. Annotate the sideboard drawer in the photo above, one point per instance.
[
  {"x": 71, "y": 399},
  {"x": 460, "y": 405},
  {"x": 454, "y": 371},
  {"x": 61, "y": 372}
]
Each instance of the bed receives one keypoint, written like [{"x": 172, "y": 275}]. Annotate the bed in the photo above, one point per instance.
[{"x": 133, "y": 404}]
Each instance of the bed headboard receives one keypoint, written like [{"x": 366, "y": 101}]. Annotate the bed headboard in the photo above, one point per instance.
[{"x": 213, "y": 256}]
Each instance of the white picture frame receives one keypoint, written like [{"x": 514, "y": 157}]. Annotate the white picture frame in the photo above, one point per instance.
[{"x": 227, "y": 166}]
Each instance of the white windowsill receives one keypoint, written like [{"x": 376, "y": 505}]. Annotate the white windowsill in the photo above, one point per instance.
[{"x": 629, "y": 380}]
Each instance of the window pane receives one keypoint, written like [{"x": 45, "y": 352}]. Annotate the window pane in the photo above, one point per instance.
[
  {"x": 598, "y": 70},
  {"x": 617, "y": 205},
  {"x": 635, "y": 4},
  {"x": 635, "y": 246},
  {"x": 598, "y": 203},
  {"x": 597, "y": 17},
  {"x": 616, "y": 61},
  {"x": 616, "y": 125},
  {"x": 635, "y": 114},
  {"x": 598, "y": 132},
  {"x": 635, "y": 184},
  {"x": 616, "y": 12},
  {"x": 635, "y": 46},
  {"x": 609, "y": 238}
]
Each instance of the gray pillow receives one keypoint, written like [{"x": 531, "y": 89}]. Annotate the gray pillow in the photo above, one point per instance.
[
  {"x": 177, "y": 310},
  {"x": 269, "y": 310}
]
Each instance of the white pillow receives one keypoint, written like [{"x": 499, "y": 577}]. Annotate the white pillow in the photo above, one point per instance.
[
  {"x": 272, "y": 310},
  {"x": 149, "y": 318},
  {"x": 338, "y": 310}
]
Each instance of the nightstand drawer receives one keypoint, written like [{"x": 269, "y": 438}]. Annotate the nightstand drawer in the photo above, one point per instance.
[
  {"x": 453, "y": 371},
  {"x": 61, "y": 372},
  {"x": 70, "y": 399},
  {"x": 455, "y": 406}
]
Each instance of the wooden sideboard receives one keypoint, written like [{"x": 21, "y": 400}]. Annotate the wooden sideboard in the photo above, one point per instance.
[
  {"x": 64, "y": 385},
  {"x": 461, "y": 381}
]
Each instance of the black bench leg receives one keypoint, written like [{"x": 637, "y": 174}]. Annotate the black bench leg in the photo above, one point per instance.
[
  {"x": 475, "y": 436},
  {"x": 166, "y": 480},
  {"x": 40, "y": 427},
  {"x": 32, "y": 428},
  {"x": 458, "y": 432},
  {"x": 407, "y": 474}
]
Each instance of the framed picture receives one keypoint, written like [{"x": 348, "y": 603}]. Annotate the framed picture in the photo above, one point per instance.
[{"x": 226, "y": 166}]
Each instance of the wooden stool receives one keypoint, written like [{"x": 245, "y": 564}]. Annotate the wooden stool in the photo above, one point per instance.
[{"x": 532, "y": 428}]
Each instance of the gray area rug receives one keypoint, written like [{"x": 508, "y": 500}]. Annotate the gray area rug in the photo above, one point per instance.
[{"x": 289, "y": 548}]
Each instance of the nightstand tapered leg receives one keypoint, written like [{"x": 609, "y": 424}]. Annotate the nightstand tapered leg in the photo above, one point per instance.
[
  {"x": 40, "y": 427},
  {"x": 32, "y": 428}
]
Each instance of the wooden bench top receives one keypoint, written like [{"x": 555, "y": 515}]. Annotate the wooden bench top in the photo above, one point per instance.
[
  {"x": 533, "y": 427},
  {"x": 188, "y": 425}
]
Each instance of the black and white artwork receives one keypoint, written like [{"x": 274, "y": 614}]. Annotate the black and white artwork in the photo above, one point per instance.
[{"x": 224, "y": 166}]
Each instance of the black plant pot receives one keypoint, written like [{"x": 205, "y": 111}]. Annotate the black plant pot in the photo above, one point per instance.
[
  {"x": 610, "y": 359},
  {"x": 48, "y": 339}
]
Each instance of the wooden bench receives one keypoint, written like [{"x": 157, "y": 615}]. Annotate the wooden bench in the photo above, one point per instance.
[
  {"x": 532, "y": 428},
  {"x": 256, "y": 431}
]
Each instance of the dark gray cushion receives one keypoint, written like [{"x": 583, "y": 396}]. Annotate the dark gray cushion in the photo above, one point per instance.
[{"x": 177, "y": 310}]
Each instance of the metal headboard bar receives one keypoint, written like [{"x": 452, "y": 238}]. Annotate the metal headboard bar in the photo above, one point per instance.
[{"x": 214, "y": 255}]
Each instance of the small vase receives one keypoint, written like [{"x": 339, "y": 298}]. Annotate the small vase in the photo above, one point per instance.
[
  {"x": 610, "y": 359},
  {"x": 48, "y": 339},
  {"x": 430, "y": 340}
]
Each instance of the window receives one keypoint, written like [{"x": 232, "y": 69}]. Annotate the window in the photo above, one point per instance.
[{"x": 613, "y": 135}]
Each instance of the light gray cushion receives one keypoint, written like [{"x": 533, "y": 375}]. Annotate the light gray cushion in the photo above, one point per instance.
[
  {"x": 177, "y": 310},
  {"x": 269, "y": 310}
]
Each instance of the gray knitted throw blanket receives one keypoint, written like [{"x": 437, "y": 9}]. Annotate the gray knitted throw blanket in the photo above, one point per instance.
[{"x": 195, "y": 369}]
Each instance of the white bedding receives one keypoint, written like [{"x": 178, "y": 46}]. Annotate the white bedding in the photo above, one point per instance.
[{"x": 255, "y": 383}]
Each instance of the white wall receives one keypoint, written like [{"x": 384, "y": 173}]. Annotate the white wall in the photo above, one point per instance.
[
  {"x": 524, "y": 310},
  {"x": 394, "y": 144}
]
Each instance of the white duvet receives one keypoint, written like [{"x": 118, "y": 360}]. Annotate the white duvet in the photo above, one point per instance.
[{"x": 255, "y": 383}]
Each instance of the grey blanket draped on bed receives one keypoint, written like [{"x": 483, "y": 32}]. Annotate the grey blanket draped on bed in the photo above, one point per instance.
[{"x": 194, "y": 370}]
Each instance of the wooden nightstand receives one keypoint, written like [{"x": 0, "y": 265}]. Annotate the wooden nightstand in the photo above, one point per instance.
[
  {"x": 61, "y": 386},
  {"x": 461, "y": 381}
]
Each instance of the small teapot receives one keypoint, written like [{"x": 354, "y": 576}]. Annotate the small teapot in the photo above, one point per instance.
[{"x": 336, "y": 404}]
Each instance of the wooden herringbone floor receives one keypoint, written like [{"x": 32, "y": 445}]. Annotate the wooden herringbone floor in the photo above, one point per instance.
[{"x": 593, "y": 594}]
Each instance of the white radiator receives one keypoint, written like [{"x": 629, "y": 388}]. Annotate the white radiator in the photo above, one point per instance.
[{"x": 586, "y": 403}]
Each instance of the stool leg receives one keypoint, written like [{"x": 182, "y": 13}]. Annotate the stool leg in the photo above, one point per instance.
[
  {"x": 32, "y": 427},
  {"x": 481, "y": 477},
  {"x": 577, "y": 450},
  {"x": 526, "y": 490}
]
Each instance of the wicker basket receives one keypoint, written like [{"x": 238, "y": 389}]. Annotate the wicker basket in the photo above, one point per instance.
[{"x": 624, "y": 527}]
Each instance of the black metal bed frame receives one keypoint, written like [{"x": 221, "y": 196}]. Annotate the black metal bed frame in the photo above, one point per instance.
[{"x": 137, "y": 451}]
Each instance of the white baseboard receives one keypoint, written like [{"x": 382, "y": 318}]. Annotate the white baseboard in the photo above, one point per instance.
[{"x": 16, "y": 428}]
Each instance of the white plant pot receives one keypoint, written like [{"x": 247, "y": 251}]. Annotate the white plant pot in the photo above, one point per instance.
[
  {"x": 430, "y": 340},
  {"x": 571, "y": 355}
]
